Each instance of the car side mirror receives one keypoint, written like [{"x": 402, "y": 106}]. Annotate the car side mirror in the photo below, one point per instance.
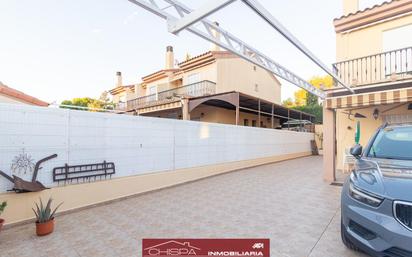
[{"x": 356, "y": 150}]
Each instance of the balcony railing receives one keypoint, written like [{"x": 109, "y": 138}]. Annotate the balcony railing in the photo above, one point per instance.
[
  {"x": 377, "y": 68},
  {"x": 201, "y": 88}
]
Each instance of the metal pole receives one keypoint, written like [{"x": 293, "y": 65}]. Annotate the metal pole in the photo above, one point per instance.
[
  {"x": 288, "y": 119},
  {"x": 268, "y": 17},
  {"x": 229, "y": 42},
  {"x": 210, "y": 7},
  {"x": 259, "y": 125},
  {"x": 273, "y": 120}
]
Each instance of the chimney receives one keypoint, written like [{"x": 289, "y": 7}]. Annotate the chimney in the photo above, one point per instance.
[
  {"x": 350, "y": 6},
  {"x": 216, "y": 34},
  {"x": 169, "y": 58},
  {"x": 119, "y": 79}
]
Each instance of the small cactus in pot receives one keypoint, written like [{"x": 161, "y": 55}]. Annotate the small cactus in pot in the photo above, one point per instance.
[{"x": 45, "y": 217}]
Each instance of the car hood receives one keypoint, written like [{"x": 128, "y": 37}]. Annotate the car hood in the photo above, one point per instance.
[{"x": 389, "y": 178}]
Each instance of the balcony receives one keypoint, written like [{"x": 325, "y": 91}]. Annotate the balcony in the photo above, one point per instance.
[
  {"x": 201, "y": 88},
  {"x": 378, "y": 68}
]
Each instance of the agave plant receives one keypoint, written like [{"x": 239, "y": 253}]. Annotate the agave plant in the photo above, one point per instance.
[
  {"x": 43, "y": 212},
  {"x": 2, "y": 207}
]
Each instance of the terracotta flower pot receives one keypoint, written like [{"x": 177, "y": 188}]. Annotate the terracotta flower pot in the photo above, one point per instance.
[
  {"x": 1, "y": 223},
  {"x": 46, "y": 228}
]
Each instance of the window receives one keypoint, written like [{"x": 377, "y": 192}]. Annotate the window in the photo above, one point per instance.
[
  {"x": 256, "y": 88},
  {"x": 261, "y": 125},
  {"x": 254, "y": 67},
  {"x": 122, "y": 99},
  {"x": 253, "y": 123},
  {"x": 193, "y": 78},
  {"x": 245, "y": 122},
  {"x": 395, "y": 38},
  {"x": 152, "y": 92},
  {"x": 393, "y": 143}
]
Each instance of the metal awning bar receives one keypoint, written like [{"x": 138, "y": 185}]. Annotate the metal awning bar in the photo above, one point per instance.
[
  {"x": 198, "y": 14},
  {"x": 268, "y": 17},
  {"x": 227, "y": 41}
]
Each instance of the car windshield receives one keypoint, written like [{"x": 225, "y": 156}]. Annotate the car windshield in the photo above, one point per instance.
[{"x": 393, "y": 143}]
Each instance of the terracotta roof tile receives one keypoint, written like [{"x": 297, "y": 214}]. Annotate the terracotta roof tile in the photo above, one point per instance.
[
  {"x": 11, "y": 92},
  {"x": 367, "y": 9}
]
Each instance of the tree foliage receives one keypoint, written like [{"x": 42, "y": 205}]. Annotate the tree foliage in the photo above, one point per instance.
[
  {"x": 303, "y": 98},
  {"x": 288, "y": 103},
  {"x": 93, "y": 104},
  {"x": 307, "y": 102},
  {"x": 315, "y": 110}
]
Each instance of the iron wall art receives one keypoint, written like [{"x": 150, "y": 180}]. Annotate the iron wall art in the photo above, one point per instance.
[
  {"x": 83, "y": 173},
  {"x": 22, "y": 162}
]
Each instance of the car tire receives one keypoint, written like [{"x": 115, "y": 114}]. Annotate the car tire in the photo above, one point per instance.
[{"x": 345, "y": 239}]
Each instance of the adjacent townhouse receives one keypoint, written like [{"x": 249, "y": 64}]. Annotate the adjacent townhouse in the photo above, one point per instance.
[
  {"x": 14, "y": 96},
  {"x": 374, "y": 56},
  {"x": 215, "y": 86}
]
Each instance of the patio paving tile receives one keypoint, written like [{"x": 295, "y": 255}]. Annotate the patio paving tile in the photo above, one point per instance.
[{"x": 287, "y": 202}]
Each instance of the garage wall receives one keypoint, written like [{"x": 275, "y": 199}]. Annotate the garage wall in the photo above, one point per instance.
[{"x": 137, "y": 145}]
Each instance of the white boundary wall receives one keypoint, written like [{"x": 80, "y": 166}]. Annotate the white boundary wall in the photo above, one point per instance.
[{"x": 137, "y": 145}]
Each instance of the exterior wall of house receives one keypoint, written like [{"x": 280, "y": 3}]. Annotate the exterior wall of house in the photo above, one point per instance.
[
  {"x": 319, "y": 136},
  {"x": 161, "y": 84},
  {"x": 208, "y": 72},
  {"x": 123, "y": 96},
  {"x": 235, "y": 74},
  {"x": 345, "y": 128},
  {"x": 367, "y": 40},
  {"x": 355, "y": 43}
]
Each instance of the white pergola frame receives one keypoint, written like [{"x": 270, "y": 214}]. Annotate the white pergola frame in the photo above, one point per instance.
[{"x": 210, "y": 32}]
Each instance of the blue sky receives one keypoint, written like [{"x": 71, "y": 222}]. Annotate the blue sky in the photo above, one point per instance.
[{"x": 58, "y": 50}]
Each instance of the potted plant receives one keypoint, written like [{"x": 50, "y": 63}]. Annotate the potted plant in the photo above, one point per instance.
[
  {"x": 2, "y": 207},
  {"x": 45, "y": 217}
]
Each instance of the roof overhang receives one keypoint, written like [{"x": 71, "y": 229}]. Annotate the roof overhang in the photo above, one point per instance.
[
  {"x": 20, "y": 96},
  {"x": 372, "y": 15}
]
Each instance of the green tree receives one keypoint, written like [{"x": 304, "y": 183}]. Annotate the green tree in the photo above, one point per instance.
[
  {"x": 309, "y": 103},
  {"x": 315, "y": 110},
  {"x": 102, "y": 103},
  {"x": 288, "y": 103},
  {"x": 303, "y": 98}
]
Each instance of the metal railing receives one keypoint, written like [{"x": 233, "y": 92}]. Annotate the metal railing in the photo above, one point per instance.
[
  {"x": 201, "y": 88},
  {"x": 381, "y": 67}
]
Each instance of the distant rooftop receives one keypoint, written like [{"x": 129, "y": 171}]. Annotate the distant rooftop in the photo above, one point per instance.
[
  {"x": 368, "y": 9},
  {"x": 18, "y": 95}
]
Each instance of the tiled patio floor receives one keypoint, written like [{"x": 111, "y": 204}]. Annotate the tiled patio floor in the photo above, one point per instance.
[{"x": 287, "y": 202}]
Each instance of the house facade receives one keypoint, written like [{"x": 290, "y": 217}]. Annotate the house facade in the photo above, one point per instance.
[
  {"x": 374, "y": 57},
  {"x": 216, "y": 86},
  {"x": 14, "y": 96}
]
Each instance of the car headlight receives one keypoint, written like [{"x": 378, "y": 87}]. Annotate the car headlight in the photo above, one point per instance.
[{"x": 363, "y": 196}]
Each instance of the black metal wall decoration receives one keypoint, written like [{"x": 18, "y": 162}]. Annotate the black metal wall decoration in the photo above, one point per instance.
[
  {"x": 22, "y": 164},
  {"x": 21, "y": 185},
  {"x": 83, "y": 173}
]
